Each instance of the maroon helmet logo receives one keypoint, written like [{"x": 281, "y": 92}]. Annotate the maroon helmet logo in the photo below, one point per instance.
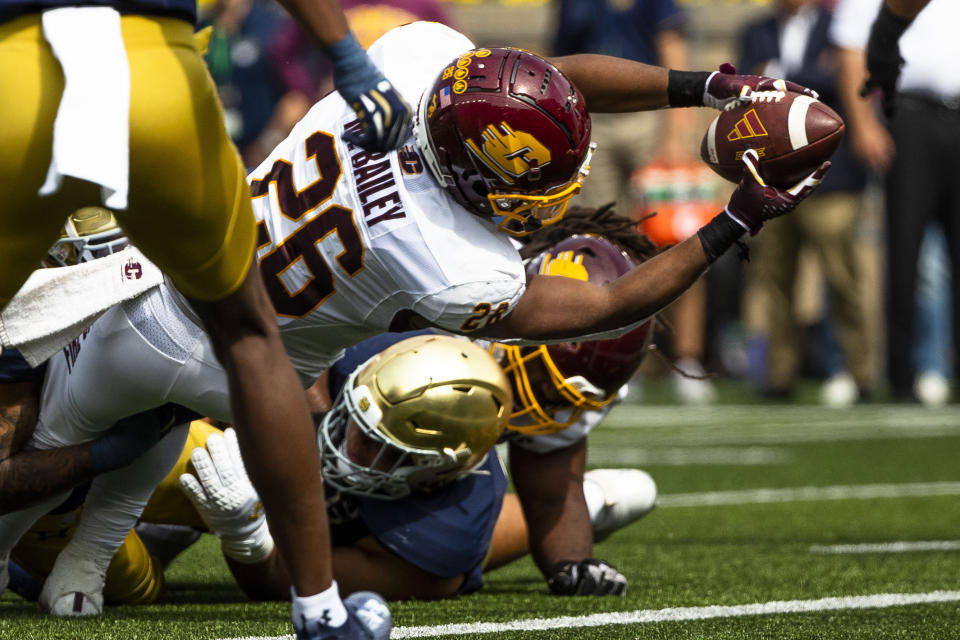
[{"x": 132, "y": 270}]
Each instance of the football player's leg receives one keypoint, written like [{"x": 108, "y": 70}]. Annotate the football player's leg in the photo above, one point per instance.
[
  {"x": 134, "y": 576},
  {"x": 14, "y": 525},
  {"x": 32, "y": 83},
  {"x": 113, "y": 505},
  {"x": 189, "y": 208},
  {"x": 831, "y": 226},
  {"x": 777, "y": 269},
  {"x": 196, "y": 222},
  {"x": 169, "y": 505}
]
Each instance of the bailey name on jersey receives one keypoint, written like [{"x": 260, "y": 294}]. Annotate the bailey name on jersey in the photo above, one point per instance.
[{"x": 377, "y": 190}]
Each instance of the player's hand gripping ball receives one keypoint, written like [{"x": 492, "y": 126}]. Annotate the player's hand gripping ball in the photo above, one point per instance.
[{"x": 791, "y": 133}]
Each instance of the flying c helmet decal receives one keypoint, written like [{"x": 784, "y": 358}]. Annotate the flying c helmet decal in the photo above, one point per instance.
[{"x": 508, "y": 153}]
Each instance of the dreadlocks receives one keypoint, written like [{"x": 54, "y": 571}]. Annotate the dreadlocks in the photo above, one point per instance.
[{"x": 602, "y": 221}]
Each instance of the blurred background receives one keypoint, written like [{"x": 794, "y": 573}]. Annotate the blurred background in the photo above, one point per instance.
[{"x": 802, "y": 320}]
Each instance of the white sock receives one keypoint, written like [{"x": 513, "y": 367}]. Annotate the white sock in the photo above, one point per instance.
[
  {"x": 315, "y": 605},
  {"x": 594, "y": 497}
]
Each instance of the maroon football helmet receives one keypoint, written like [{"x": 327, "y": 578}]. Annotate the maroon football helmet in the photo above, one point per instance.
[
  {"x": 573, "y": 376},
  {"x": 508, "y": 135}
]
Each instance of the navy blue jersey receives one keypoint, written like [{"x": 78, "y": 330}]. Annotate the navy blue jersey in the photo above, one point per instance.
[
  {"x": 445, "y": 532},
  {"x": 183, "y": 9},
  {"x": 13, "y": 368}
]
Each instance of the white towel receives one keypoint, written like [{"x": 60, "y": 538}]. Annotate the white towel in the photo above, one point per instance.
[
  {"x": 91, "y": 138},
  {"x": 55, "y": 305}
]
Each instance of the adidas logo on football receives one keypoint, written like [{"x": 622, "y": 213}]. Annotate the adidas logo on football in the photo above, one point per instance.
[{"x": 749, "y": 126}]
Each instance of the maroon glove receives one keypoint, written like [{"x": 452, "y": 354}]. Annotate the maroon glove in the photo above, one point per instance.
[
  {"x": 754, "y": 202},
  {"x": 725, "y": 88}
]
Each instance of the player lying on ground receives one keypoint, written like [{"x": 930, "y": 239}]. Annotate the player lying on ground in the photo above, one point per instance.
[
  {"x": 110, "y": 101},
  {"x": 561, "y": 392},
  {"x": 419, "y": 545},
  {"x": 352, "y": 244}
]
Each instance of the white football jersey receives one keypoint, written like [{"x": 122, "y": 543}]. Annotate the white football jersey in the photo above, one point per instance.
[{"x": 350, "y": 239}]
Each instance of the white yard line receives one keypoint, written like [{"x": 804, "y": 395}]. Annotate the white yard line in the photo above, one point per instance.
[
  {"x": 673, "y": 614},
  {"x": 798, "y": 494},
  {"x": 608, "y": 455},
  {"x": 902, "y": 546}
]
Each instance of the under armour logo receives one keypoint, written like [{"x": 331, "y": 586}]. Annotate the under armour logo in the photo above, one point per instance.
[
  {"x": 132, "y": 270},
  {"x": 325, "y": 617}
]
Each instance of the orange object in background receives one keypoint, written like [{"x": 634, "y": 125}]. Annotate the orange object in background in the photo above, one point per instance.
[{"x": 685, "y": 197}]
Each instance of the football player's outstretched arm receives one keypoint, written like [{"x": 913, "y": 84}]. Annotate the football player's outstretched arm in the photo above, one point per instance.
[
  {"x": 557, "y": 308},
  {"x": 613, "y": 85}
]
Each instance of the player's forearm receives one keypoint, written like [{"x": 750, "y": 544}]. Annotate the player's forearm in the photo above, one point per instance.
[
  {"x": 29, "y": 476},
  {"x": 614, "y": 85},
  {"x": 579, "y": 309},
  {"x": 651, "y": 286},
  {"x": 266, "y": 580},
  {"x": 322, "y": 20},
  {"x": 550, "y": 488}
]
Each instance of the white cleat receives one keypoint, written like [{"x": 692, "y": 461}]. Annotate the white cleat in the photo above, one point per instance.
[
  {"x": 75, "y": 587},
  {"x": 628, "y": 495},
  {"x": 932, "y": 389},
  {"x": 694, "y": 388},
  {"x": 839, "y": 390}
]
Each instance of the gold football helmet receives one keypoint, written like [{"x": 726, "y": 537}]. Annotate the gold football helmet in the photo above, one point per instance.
[
  {"x": 89, "y": 233},
  {"x": 422, "y": 413}
]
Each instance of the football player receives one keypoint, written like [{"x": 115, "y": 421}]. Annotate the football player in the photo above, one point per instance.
[
  {"x": 352, "y": 244},
  {"x": 88, "y": 233},
  {"x": 413, "y": 486},
  {"x": 110, "y": 101},
  {"x": 389, "y": 533},
  {"x": 562, "y": 391}
]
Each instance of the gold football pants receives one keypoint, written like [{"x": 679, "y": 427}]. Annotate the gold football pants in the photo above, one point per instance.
[
  {"x": 189, "y": 208},
  {"x": 134, "y": 577}
]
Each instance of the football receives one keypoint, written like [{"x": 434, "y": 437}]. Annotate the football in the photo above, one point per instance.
[{"x": 792, "y": 136}]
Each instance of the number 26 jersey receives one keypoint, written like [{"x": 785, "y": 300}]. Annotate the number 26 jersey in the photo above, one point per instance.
[{"x": 350, "y": 240}]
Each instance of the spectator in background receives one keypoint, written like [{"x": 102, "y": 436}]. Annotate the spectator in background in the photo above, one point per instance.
[
  {"x": 793, "y": 43},
  {"x": 239, "y": 62},
  {"x": 648, "y": 31},
  {"x": 652, "y": 32},
  {"x": 917, "y": 152}
]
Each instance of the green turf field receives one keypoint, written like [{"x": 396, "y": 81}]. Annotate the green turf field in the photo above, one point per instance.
[{"x": 754, "y": 501}]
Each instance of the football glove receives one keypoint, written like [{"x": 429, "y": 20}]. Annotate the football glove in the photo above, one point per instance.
[
  {"x": 590, "y": 577},
  {"x": 754, "y": 201},
  {"x": 883, "y": 56},
  {"x": 225, "y": 499},
  {"x": 384, "y": 115},
  {"x": 725, "y": 89},
  {"x": 368, "y": 618}
]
